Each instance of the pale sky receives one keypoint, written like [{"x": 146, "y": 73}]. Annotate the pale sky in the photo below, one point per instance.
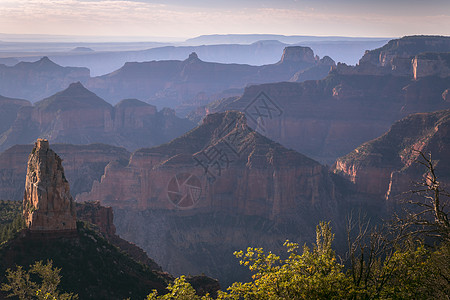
[{"x": 178, "y": 18}]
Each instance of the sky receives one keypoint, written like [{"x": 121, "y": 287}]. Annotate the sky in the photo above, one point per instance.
[{"x": 185, "y": 19}]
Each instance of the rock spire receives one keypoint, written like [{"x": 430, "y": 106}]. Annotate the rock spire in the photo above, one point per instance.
[{"x": 47, "y": 203}]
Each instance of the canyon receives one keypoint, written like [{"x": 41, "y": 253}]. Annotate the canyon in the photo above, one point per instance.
[
  {"x": 253, "y": 172},
  {"x": 328, "y": 118},
  {"x": 194, "y": 201}
]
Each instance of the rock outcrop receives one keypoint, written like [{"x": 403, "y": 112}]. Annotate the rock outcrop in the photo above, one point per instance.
[
  {"x": 431, "y": 64},
  {"x": 387, "y": 166},
  {"x": 406, "y": 48},
  {"x": 298, "y": 54},
  {"x": 47, "y": 203},
  {"x": 411, "y": 56},
  {"x": 83, "y": 164}
]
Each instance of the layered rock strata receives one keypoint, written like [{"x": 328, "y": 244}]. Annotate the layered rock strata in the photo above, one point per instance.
[
  {"x": 387, "y": 166},
  {"x": 47, "y": 203}
]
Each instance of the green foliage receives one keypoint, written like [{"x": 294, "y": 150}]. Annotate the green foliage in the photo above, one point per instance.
[
  {"x": 39, "y": 282},
  {"x": 90, "y": 266},
  {"x": 11, "y": 220},
  {"x": 314, "y": 274},
  {"x": 180, "y": 289},
  {"x": 9, "y": 210},
  {"x": 411, "y": 272}
]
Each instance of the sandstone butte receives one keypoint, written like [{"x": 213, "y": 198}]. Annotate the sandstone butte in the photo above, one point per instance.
[
  {"x": 47, "y": 203},
  {"x": 264, "y": 179}
]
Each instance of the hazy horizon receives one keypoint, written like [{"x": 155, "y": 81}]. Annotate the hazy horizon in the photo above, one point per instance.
[
  {"x": 54, "y": 38},
  {"x": 186, "y": 19}
]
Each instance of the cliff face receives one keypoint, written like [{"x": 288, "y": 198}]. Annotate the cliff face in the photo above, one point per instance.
[
  {"x": 329, "y": 118},
  {"x": 83, "y": 165},
  {"x": 147, "y": 177},
  {"x": 78, "y": 116},
  {"x": 47, "y": 203},
  {"x": 406, "y": 47},
  {"x": 8, "y": 111},
  {"x": 220, "y": 187},
  {"x": 431, "y": 64},
  {"x": 298, "y": 54},
  {"x": 386, "y": 166},
  {"x": 39, "y": 79},
  {"x": 404, "y": 57}
]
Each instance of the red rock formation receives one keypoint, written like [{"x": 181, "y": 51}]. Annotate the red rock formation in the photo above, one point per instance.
[
  {"x": 47, "y": 203},
  {"x": 190, "y": 215},
  {"x": 98, "y": 215},
  {"x": 328, "y": 118},
  {"x": 431, "y": 64},
  {"x": 409, "y": 56},
  {"x": 446, "y": 95},
  {"x": 132, "y": 114},
  {"x": 386, "y": 167},
  {"x": 103, "y": 218},
  {"x": 83, "y": 164},
  {"x": 268, "y": 180}
]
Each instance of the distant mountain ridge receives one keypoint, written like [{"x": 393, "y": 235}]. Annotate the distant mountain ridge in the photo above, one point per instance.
[
  {"x": 251, "y": 38},
  {"x": 166, "y": 83},
  {"x": 172, "y": 82},
  {"x": 78, "y": 116},
  {"x": 38, "y": 79}
]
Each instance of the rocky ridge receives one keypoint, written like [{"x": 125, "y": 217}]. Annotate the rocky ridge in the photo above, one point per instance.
[
  {"x": 37, "y": 80},
  {"x": 387, "y": 166},
  {"x": 411, "y": 56},
  {"x": 176, "y": 81},
  {"x": 78, "y": 116},
  {"x": 328, "y": 118}
]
